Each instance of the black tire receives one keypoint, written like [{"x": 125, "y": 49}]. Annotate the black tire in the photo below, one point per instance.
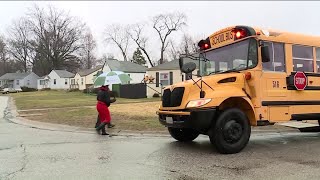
[
  {"x": 183, "y": 134},
  {"x": 231, "y": 132}
]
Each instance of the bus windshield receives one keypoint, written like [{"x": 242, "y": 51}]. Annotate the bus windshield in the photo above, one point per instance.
[{"x": 234, "y": 57}]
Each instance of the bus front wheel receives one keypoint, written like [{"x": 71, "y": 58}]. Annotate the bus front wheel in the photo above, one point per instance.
[
  {"x": 231, "y": 132},
  {"x": 183, "y": 134}
]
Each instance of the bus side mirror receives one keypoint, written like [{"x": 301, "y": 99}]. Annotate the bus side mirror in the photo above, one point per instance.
[
  {"x": 265, "y": 54},
  {"x": 188, "y": 67}
]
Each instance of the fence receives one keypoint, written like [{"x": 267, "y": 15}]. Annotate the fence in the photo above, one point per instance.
[{"x": 133, "y": 91}]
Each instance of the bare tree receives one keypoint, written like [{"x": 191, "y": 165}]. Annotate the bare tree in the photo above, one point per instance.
[
  {"x": 165, "y": 24},
  {"x": 174, "y": 53},
  {"x": 56, "y": 38},
  {"x": 136, "y": 34},
  {"x": 3, "y": 56},
  {"x": 104, "y": 57},
  {"x": 119, "y": 35},
  {"x": 187, "y": 46},
  {"x": 87, "y": 51},
  {"x": 19, "y": 44}
]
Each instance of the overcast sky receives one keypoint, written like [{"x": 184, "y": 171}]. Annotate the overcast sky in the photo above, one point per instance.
[{"x": 204, "y": 17}]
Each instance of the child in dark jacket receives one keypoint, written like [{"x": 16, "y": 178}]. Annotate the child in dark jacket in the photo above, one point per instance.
[{"x": 104, "y": 101}]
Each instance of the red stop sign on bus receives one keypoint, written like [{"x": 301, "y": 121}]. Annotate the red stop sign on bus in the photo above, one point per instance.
[{"x": 300, "y": 80}]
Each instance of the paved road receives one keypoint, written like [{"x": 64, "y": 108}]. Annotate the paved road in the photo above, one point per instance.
[{"x": 31, "y": 153}]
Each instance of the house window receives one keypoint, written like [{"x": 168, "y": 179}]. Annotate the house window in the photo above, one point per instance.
[
  {"x": 18, "y": 82},
  {"x": 54, "y": 81},
  {"x": 81, "y": 81},
  {"x": 28, "y": 82},
  {"x": 164, "y": 79},
  {"x": 276, "y": 63},
  {"x": 72, "y": 81},
  {"x": 302, "y": 58},
  {"x": 65, "y": 81},
  {"x": 42, "y": 82}
]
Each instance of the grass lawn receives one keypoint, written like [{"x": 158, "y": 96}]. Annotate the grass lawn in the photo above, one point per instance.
[{"x": 127, "y": 114}]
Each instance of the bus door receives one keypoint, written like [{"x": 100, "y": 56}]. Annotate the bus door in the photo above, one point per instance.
[{"x": 273, "y": 84}]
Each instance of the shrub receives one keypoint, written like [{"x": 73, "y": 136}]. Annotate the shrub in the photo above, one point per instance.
[
  {"x": 156, "y": 95},
  {"x": 45, "y": 89},
  {"x": 91, "y": 90},
  {"x": 73, "y": 90},
  {"x": 27, "y": 89}
]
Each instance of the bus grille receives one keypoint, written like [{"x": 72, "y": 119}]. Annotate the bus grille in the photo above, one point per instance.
[
  {"x": 174, "y": 98},
  {"x": 166, "y": 98}
]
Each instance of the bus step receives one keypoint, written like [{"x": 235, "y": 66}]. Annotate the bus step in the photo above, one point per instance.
[
  {"x": 310, "y": 129},
  {"x": 298, "y": 125}
]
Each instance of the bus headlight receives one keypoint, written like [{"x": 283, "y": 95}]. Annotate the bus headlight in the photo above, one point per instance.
[{"x": 198, "y": 103}]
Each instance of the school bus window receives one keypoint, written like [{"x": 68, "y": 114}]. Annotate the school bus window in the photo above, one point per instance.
[
  {"x": 302, "y": 58},
  {"x": 318, "y": 59},
  {"x": 207, "y": 67},
  {"x": 223, "y": 66},
  {"x": 238, "y": 56},
  {"x": 276, "y": 63},
  {"x": 253, "y": 53}
]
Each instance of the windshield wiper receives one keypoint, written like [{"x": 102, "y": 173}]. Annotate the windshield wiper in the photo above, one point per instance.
[
  {"x": 231, "y": 70},
  {"x": 227, "y": 71},
  {"x": 215, "y": 72}
]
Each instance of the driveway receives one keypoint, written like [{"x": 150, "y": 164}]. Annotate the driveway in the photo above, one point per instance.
[{"x": 31, "y": 153}]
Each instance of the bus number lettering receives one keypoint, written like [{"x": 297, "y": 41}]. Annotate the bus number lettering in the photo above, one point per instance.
[{"x": 275, "y": 84}]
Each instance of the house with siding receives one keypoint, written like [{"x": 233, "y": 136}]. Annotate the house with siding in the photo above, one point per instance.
[
  {"x": 135, "y": 71},
  {"x": 84, "y": 78},
  {"x": 56, "y": 79},
  {"x": 166, "y": 74},
  {"x": 18, "y": 80}
]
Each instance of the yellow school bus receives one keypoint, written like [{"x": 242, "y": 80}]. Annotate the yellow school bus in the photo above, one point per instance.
[{"x": 247, "y": 77}]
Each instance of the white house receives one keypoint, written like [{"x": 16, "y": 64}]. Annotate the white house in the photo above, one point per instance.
[
  {"x": 56, "y": 79},
  {"x": 135, "y": 71},
  {"x": 84, "y": 78},
  {"x": 18, "y": 80},
  {"x": 166, "y": 74}
]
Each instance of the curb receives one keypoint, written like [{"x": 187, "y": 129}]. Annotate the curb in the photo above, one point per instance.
[{"x": 11, "y": 114}]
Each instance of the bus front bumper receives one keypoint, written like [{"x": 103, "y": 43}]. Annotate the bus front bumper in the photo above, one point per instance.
[{"x": 199, "y": 119}]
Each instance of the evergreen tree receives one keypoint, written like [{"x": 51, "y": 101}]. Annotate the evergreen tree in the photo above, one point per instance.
[{"x": 138, "y": 57}]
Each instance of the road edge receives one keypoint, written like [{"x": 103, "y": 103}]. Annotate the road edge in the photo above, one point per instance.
[{"x": 12, "y": 116}]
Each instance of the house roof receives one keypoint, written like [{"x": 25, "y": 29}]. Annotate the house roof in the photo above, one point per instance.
[
  {"x": 172, "y": 65},
  {"x": 64, "y": 74},
  {"x": 43, "y": 77},
  {"x": 13, "y": 76},
  {"x": 85, "y": 72},
  {"x": 125, "y": 66}
]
